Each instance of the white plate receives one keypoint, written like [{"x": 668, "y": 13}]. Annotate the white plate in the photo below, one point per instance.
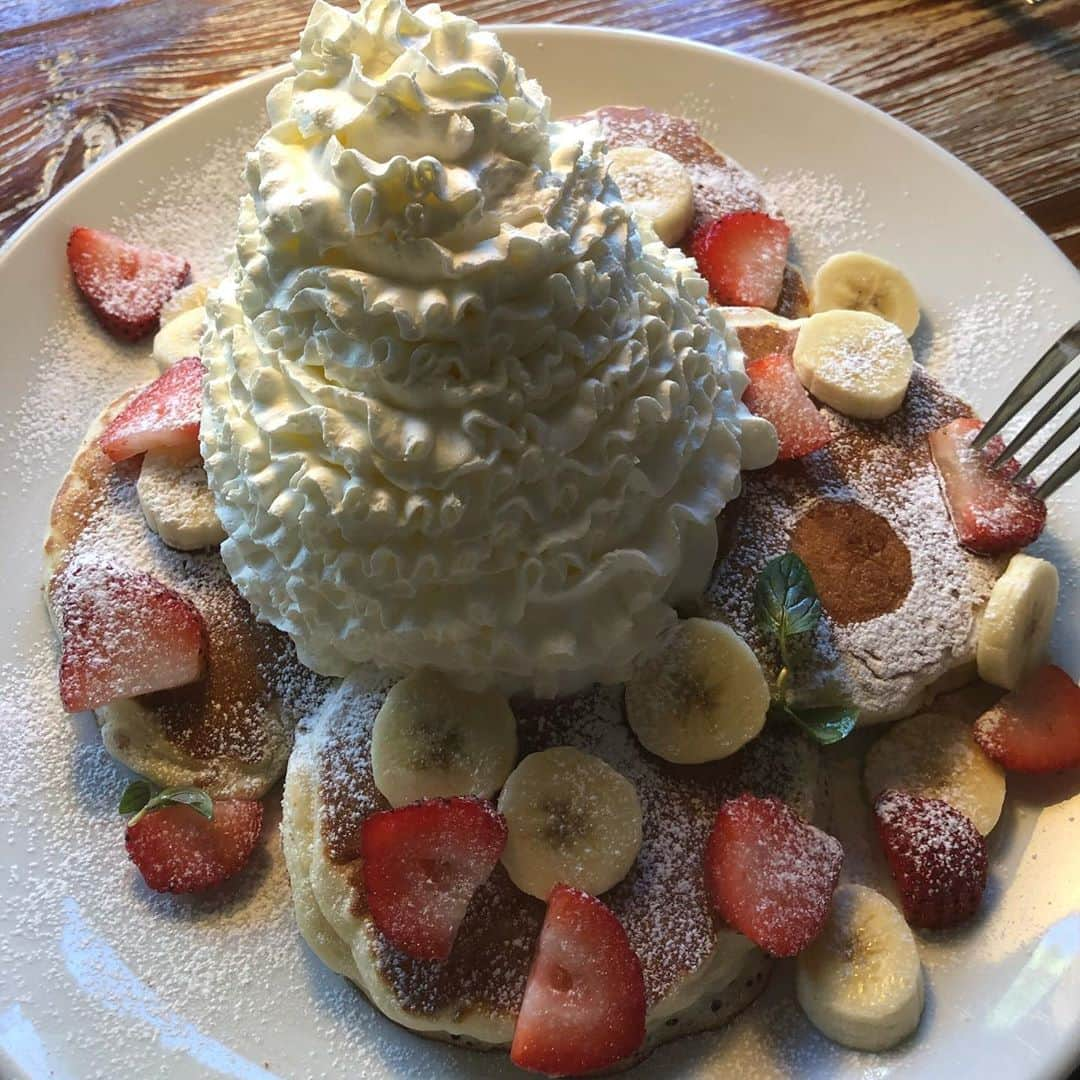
[{"x": 102, "y": 978}]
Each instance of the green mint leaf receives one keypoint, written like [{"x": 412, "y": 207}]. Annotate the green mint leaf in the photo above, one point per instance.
[
  {"x": 785, "y": 600},
  {"x": 194, "y": 797},
  {"x": 136, "y": 795},
  {"x": 827, "y": 724}
]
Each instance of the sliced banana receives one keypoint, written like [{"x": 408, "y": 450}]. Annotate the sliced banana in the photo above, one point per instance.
[
  {"x": 1016, "y": 624},
  {"x": 570, "y": 818},
  {"x": 936, "y": 756},
  {"x": 857, "y": 363},
  {"x": 701, "y": 697},
  {"x": 861, "y": 983},
  {"x": 176, "y": 501},
  {"x": 190, "y": 296},
  {"x": 179, "y": 338},
  {"x": 432, "y": 739},
  {"x": 655, "y": 186},
  {"x": 855, "y": 281}
]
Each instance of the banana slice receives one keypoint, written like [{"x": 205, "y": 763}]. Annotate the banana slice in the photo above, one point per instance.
[
  {"x": 177, "y": 502},
  {"x": 570, "y": 818},
  {"x": 179, "y": 338},
  {"x": 855, "y": 281},
  {"x": 936, "y": 756},
  {"x": 185, "y": 299},
  {"x": 1016, "y": 624},
  {"x": 701, "y": 697},
  {"x": 655, "y": 186},
  {"x": 432, "y": 739},
  {"x": 855, "y": 362},
  {"x": 861, "y": 983}
]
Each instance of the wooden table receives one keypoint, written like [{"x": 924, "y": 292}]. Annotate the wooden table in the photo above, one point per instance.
[{"x": 996, "y": 82}]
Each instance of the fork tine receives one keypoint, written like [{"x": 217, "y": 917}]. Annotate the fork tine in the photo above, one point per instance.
[
  {"x": 1046, "y": 367},
  {"x": 1051, "y": 444},
  {"x": 1060, "y": 399},
  {"x": 1065, "y": 471}
]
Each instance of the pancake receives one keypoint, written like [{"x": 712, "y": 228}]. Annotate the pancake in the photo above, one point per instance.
[
  {"x": 698, "y": 973},
  {"x": 721, "y": 184},
  {"x": 901, "y": 598},
  {"x": 229, "y": 733}
]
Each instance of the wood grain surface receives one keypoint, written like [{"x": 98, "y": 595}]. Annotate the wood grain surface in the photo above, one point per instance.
[{"x": 996, "y": 82}]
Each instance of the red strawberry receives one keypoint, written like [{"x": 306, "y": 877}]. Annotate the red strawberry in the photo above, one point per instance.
[
  {"x": 421, "y": 866},
  {"x": 177, "y": 850},
  {"x": 124, "y": 634},
  {"x": 992, "y": 512},
  {"x": 165, "y": 414},
  {"x": 742, "y": 256},
  {"x": 936, "y": 855},
  {"x": 124, "y": 285},
  {"x": 584, "y": 1004},
  {"x": 776, "y": 393},
  {"x": 1035, "y": 728},
  {"x": 770, "y": 874}
]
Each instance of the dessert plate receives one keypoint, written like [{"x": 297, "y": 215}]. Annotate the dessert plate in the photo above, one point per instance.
[{"x": 101, "y": 977}]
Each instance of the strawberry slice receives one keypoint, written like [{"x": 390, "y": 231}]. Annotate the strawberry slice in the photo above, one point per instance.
[
  {"x": 992, "y": 512},
  {"x": 124, "y": 285},
  {"x": 936, "y": 855},
  {"x": 742, "y": 256},
  {"x": 584, "y": 1003},
  {"x": 771, "y": 875},
  {"x": 421, "y": 866},
  {"x": 1035, "y": 728},
  {"x": 124, "y": 634},
  {"x": 776, "y": 393},
  {"x": 165, "y": 414},
  {"x": 178, "y": 850}
]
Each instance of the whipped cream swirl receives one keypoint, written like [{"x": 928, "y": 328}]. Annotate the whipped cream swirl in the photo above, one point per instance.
[{"x": 462, "y": 412}]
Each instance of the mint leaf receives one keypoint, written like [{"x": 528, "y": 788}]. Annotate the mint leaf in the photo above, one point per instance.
[
  {"x": 136, "y": 795},
  {"x": 785, "y": 600},
  {"x": 194, "y": 797},
  {"x": 827, "y": 724}
]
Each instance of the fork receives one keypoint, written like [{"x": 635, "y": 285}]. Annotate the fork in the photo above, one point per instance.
[{"x": 1050, "y": 364}]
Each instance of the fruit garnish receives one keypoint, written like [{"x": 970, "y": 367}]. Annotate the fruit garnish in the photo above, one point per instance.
[
  {"x": 584, "y": 1003},
  {"x": 421, "y": 865},
  {"x": 655, "y": 186},
  {"x": 571, "y": 819},
  {"x": 124, "y": 634},
  {"x": 770, "y": 874},
  {"x": 183, "y": 841},
  {"x": 786, "y": 607},
  {"x": 776, "y": 394},
  {"x": 993, "y": 513},
  {"x": 935, "y": 755},
  {"x": 1035, "y": 728},
  {"x": 743, "y": 256},
  {"x": 936, "y": 856},
  {"x": 855, "y": 281},
  {"x": 125, "y": 285},
  {"x": 163, "y": 416}
]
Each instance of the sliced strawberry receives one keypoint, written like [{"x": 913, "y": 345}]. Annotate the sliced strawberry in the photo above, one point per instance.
[
  {"x": 992, "y": 512},
  {"x": 1035, "y": 728},
  {"x": 165, "y": 414},
  {"x": 178, "y": 850},
  {"x": 770, "y": 874},
  {"x": 124, "y": 285},
  {"x": 776, "y": 393},
  {"x": 421, "y": 866},
  {"x": 584, "y": 1004},
  {"x": 936, "y": 855},
  {"x": 124, "y": 634},
  {"x": 742, "y": 256}
]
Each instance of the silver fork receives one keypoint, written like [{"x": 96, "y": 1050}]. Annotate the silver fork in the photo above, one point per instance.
[{"x": 1050, "y": 364}]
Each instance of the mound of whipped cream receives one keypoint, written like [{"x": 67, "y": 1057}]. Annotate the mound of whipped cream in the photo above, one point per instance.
[{"x": 462, "y": 412}]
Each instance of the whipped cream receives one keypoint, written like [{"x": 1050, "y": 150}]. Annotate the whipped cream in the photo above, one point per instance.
[{"x": 463, "y": 411}]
